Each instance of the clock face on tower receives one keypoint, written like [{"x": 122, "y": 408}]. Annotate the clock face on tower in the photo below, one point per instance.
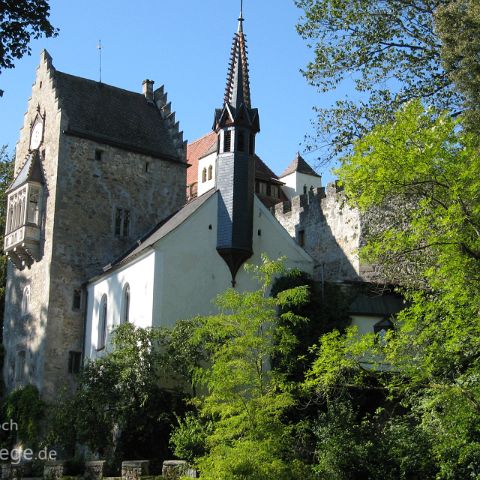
[{"x": 37, "y": 135}]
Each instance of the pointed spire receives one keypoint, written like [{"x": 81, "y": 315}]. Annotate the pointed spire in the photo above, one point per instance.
[
  {"x": 238, "y": 83},
  {"x": 240, "y": 18}
]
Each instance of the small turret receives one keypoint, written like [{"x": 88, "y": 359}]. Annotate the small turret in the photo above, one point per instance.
[{"x": 236, "y": 125}]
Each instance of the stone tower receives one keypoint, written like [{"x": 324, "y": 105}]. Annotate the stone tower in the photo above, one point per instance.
[
  {"x": 236, "y": 125},
  {"x": 96, "y": 167}
]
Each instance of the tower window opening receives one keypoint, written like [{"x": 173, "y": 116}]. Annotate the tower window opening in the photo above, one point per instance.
[
  {"x": 301, "y": 238},
  {"x": 241, "y": 142},
  {"x": 98, "y": 154},
  {"x": 122, "y": 222},
  {"x": 204, "y": 175},
  {"x": 20, "y": 366},
  {"x": 74, "y": 362},
  {"x": 77, "y": 299},
  {"x": 210, "y": 172},
  {"x": 147, "y": 166},
  {"x": 227, "y": 141},
  {"x": 25, "y": 301},
  {"x": 251, "y": 144}
]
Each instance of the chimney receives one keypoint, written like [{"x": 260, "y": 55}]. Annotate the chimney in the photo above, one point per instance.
[{"x": 147, "y": 89}]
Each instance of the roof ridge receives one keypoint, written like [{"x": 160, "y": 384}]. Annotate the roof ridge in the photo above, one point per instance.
[{"x": 99, "y": 83}]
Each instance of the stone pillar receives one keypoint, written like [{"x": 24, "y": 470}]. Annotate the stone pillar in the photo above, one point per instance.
[
  {"x": 134, "y": 469},
  {"x": 175, "y": 469},
  {"x": 53, "y": 470},
  {"x": 94, "y": 470}
]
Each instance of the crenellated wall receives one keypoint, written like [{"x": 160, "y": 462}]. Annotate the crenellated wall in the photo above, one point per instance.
[{"x": 329, "y": 230}]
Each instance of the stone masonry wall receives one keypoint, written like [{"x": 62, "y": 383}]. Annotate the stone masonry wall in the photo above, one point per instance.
[
  {"x": 82, "y": 196},
  {"x": 27, "y": 333},
  {"x": 331, "y": 232}
]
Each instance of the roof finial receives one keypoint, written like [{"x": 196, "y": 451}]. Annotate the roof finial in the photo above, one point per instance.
[{"x": 240, "y": 18}]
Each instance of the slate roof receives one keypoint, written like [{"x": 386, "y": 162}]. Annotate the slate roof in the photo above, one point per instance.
[
  {"x": 162, "y": 229},
  {"x": 262, "y": 172},
  {"x": 31, "y": 171},
  {"x": 378, "y": 305},
  {"x": 100, "y": 111},
  {"x": 301, "y": 166}
]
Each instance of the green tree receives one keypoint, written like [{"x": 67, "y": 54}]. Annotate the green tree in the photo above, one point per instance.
[
  {"x": 6, "y": 177},
  {"x": 119, "y": 408},
  {"x": 458, "y": 27},
  {"x": 243, "y": 399},
  {"x": 20, "y": 22},
  {"x": 419, "y": 175},
  {"x": 395, "y": 52}
]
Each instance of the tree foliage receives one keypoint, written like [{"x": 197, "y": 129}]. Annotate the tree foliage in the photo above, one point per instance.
[
  {"x": 6, "y": 177},
  {"x": 243, "y": 398},
  {"x": 119, "y": 409},
  {"x": 457, "y": 23},
  {"x": 422, "y": 171},
  {"x": 394, "y": 51},
  {"x": 20, "y": 22}
]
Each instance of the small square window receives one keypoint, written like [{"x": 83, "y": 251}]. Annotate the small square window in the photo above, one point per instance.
[
  {"x": 98, "y": 154},
  {"x": 74, "y": 362}
]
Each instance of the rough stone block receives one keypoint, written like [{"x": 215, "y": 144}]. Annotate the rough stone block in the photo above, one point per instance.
[
  {"x": 53, "y": 470},
  {"x": 94, "y": 470},
  {"x": 175, "y": 469},
  {"x": 134, "y": 469}
]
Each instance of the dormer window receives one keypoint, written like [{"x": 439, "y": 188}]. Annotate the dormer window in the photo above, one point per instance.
[
  {"x": 204, "y": 175},
  {"x": 210, "y": 172}
]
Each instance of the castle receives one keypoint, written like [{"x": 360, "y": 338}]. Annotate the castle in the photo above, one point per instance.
[{"x": 112, "y": 218}]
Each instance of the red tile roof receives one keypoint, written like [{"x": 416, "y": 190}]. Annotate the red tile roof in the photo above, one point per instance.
[
  {"x": 206, "y": 145},
  {"x": 195, "y": 151}
]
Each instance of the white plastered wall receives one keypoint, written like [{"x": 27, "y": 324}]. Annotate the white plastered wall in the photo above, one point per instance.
[
  {"x": 295, "y": 182},
  {"x": 139, "y": 275},
  {"x": 205, "y": 163}
]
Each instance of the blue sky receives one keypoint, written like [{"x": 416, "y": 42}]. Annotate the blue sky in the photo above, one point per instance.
[{"x": 184, "y": 45}]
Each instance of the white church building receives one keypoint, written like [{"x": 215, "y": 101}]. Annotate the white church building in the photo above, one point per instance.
[{"x": 177, "y": 270}]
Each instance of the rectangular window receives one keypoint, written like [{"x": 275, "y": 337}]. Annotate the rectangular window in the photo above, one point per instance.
[
  {"x": 227, "y": 141},
  {"x": 262, "y": 188},
  {"x": 77, "y": 299},
  {"x": 251, "y": 144},
  {"x": 122, "y": 222},
  {"x": 98, "y": 154},
  {"x": 20, "y": 366},
  {"x": 301, "y": 238},
  {"x": 74, "y": 362},
  {"x": 274, "y": 191}
]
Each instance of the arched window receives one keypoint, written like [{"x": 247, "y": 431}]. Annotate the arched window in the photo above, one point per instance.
[
  {"x": 26, "y": 300},
  {"x": 102, "y": 323},
  {"x": 210, "y": 172},
  {"x": 125, "y": 304},
  {"x": 204, "y": 175}
]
